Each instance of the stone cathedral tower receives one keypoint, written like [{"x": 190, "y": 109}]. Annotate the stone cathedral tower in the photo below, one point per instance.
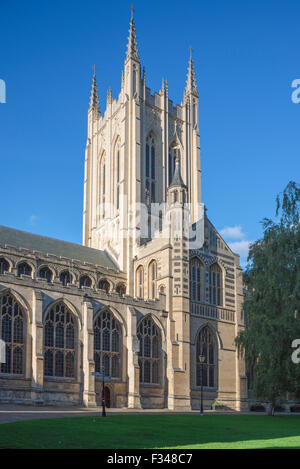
[
  {"x": 141, "y": 151},
  {"x": 154, "y": 295}
]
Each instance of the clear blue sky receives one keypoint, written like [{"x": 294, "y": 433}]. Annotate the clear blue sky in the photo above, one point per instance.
[{"x": 246, "y": 56}]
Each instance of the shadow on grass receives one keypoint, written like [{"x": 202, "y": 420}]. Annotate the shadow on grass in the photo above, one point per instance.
[{"x": 154, "y": 431}]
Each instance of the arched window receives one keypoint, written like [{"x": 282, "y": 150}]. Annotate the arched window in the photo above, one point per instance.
[
  {"x": 197, "y": 280},
  {"x": 104, "y": 285},
  {"x": 174, "y": 152},
  {"x": 102, "y": 185},
  {"x": 121, "y": 289},
  {"x": 207, "y": 346},
  {"x": 140, "y": 282},
  {"x": 12, "y": 332},
  {"x": 59, "y": 342},
  {"x": 107, "y": 345},
  {"x": 118, "y": 172},
  {"x": 85, "y": 281},
  {"x": 65, "y": 278},
  {"x": 46, "y": 274},
  {"x": 150, "y": 351},
  {"x": 215, "y": 285},
  {"x": 152, "y": 276},
  {"x": 150, "y": 170},
  {"x": 24, "y": 269},
  {"x": 4, "y": 265}
]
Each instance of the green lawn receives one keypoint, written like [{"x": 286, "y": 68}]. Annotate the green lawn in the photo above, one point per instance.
[{"x": 155, "y": 431}]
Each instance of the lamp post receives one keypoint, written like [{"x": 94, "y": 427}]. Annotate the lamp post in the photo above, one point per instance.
[
  {"x": 201, "y": 361},
  {"x": 103, "y": 398}
]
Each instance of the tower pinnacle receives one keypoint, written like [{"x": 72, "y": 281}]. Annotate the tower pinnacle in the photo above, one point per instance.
[
  {"x": 132, "y": 50},
  {"x": 94, "y": 100},
  {"x": 191, "y": 86}
]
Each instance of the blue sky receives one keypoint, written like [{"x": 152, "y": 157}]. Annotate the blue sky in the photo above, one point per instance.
[{"x": 246, "y": 57}]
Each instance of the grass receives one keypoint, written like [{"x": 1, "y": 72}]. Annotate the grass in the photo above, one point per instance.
[{"x": 155, "y": 431}]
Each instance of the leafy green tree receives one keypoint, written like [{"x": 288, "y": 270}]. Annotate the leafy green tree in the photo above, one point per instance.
[{"x": 272, "y": 305}]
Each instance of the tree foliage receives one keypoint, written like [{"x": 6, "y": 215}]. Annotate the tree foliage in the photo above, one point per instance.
[{"x": 272, "y": 305}]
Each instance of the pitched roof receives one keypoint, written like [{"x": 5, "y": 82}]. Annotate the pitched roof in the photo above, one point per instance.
[{"x": 22, "y": 239}]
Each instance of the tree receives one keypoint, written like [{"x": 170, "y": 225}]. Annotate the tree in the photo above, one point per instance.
[{"x": 272, "y": 305}]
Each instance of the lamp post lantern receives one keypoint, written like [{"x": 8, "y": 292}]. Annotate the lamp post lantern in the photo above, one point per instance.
[{"x": 201, "y": 361}]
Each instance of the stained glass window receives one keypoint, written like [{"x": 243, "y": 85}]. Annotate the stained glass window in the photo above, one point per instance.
[
  {"x": 150, "y": 351},
  {"x": 59, "y": 342},
  {"x": 206, "y": 346},
  {"x": 215, "y": 285},
  {"x": 107, "y": 344},
  {"x": 12, "y": 331}
]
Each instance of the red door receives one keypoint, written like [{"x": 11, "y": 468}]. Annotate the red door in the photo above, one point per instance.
[{"x": 106, "y": 396}]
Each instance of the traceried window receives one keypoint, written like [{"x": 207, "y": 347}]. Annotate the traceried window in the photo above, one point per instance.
[
  {"x": 59, "y": 342},
  {"x": 150, "y": 170},
  {"x": 85, "y": 281},
  {"x": 65, "y": 278},
  {"x": 24, "y": 269},
  {"x": 152, "y": 278},
  {"x": 4, "y": 265},
  {"x": 102, "y": 185},
  {"x": 196, "y": 282},
  {"x": 12, "y": 332},
  {"x": 107, "y": 344},
  {"x": 207, "y": 346},
  {"x": 46, "y": 274},
  {"x": 104, "y": 285},
  {"x": 140, "y": 282},
  {"x": 215, "y": 285},
  {"x": 150, "y": 351},
  {"x": 174, "y": 152}
]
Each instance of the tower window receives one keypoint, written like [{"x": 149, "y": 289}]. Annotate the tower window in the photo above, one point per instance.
[
  {"x": 140, "y": 282},
  {"x": 102, "y": 186},
  {"x": 118, "y": 169},
  {"x": 196, "y": 279},
  {"x": 150, "y": 195},
  {"x": 215, "y": 285},
  {"x": 152, "y": 274}
]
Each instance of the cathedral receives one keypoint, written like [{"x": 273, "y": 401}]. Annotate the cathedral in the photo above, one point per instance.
[{"x": 153, "y": 296}]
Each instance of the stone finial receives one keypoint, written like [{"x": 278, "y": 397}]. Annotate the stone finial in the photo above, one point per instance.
[
  {"x": 108, "y": 97},
  {"x": 94, "y": 100},
  {"x": 191, "y": 86},
  {"x": 132, "y": 50}
]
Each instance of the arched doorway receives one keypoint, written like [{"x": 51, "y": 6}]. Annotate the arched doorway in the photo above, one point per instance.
[{"x": 106, "y": 396}]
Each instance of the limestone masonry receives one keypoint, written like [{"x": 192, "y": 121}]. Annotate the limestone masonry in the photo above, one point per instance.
[{"x": 138, "y": 300}]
